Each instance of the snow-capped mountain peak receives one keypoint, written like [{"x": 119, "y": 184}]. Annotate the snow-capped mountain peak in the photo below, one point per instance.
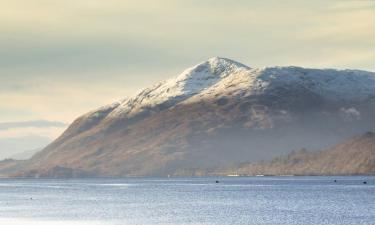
[
  {"x": 220, "y": 76},
  {"x": 203, "y": 75},
  {"x": 191, "y": 81}
]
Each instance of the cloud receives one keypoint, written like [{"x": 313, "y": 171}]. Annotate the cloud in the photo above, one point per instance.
[
  {"x": 36, "y": 128},
  {"x": 63, "y": 100},
  {"x": 21, "y": 136},
  {"x": 31, "y": 124},
  {"x": 15, "y": 145},
  {"x": 142, "y": 36},
  {"x": 18, "y": 137},
  {"x": 46, "y": 132},
  {"x": 353, "y": 5}
]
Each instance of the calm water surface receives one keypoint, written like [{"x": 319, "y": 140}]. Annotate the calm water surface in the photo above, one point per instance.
[{"x": 235, "y": 200}]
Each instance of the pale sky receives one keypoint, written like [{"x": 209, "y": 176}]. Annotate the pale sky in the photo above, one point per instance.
[{"x": 62, "y": 58}]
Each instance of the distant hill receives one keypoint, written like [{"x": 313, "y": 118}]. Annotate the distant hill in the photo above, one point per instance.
[
  {"x": 9, "y": 167},
  {"x": 215, "y": 114},
  {"x": 355, "y": 156}
]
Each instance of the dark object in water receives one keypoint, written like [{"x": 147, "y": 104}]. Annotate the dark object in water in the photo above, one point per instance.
[
  {"x": 335, "y": 181},
  {"x": 217, "y": 181},
  {"x": 364, "y": 182}
]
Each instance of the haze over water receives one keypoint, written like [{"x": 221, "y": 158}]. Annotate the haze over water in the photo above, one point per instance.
[{"x": 237, "y": 200}]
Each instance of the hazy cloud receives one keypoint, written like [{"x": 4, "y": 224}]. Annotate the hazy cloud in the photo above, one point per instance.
[
  {"x": 31, "y": 124},
  {"x": 16, "y": 145},
  {"x": 18, "y": 137}
]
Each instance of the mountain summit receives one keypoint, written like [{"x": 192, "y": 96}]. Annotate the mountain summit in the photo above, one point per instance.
[
  {"x": 215, "y": 114},
  {"x": 190, "y": 82}
]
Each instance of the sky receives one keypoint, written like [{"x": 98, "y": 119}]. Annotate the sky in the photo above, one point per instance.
[{"x": 62, "y": 58}]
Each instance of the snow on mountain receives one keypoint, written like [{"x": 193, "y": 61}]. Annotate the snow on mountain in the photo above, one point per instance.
[
  {"x": 188, "y": 83},
  {"x": 221, "y": 76},
  {"x": 347, "y": 85}
]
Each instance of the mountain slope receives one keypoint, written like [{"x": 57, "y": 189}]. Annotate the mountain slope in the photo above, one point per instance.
[
  {"x": 352, "y": 157},
  {"x": 214, "y": 114}
]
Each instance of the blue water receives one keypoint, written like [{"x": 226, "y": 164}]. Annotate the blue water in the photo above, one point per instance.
[{"x": 235, "y": 200}]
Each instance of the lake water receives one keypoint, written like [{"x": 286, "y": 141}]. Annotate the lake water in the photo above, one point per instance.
[{"x": 235, "y": 200}]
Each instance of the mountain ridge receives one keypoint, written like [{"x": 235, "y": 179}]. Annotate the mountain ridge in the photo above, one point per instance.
[{"x": 216, "y": 113}]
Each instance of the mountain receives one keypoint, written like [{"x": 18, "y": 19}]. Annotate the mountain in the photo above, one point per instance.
[
  {"x": 355, "y": 156},
  {"x": 9, "y": 167},
  {"x": 215, "y": 114}
]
